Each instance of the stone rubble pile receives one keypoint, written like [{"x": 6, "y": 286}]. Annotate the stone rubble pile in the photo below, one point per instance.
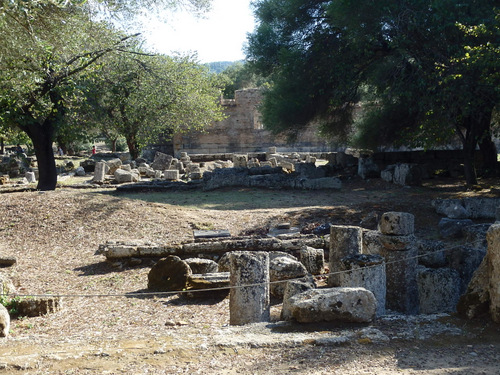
[
  {"x": 287, "y": 171},
  {"x": 371, "y": 272}
]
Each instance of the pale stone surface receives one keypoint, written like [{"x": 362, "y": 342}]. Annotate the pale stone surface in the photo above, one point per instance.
[
  {"x": 292, "y": 288},
  {"x": 438, "y": 290},
  {"x": 169, "y": 274},
  {"x": 407, "y": 175},
  {"x": 313, "y": 259},
  {"x": 126, "y": 167},
  {"x": 284, "y": 268},
  {"x": 171, "y": 174},
  {"x": 30, "y": 177},
  {"x": 249, "y": 304},
  {"x": 493, "y": 237},
  {"x": 100, "y": 171},
  {"x": 201, "y": 266},
  {"x": 240, "y": 161},
  {"x": 161, "y": 161},
  {"x": 356, "y": 305},
  {"x": 365, "y": 271},
  {"x": 397, "y": 223},
  {"x": 80, "y": 171},
  {"x": 345, "y": 240},
  {"x": 4, "y": 321},
  {"x": 113, "y": 165},
  {"x": 122, "y": 176}
]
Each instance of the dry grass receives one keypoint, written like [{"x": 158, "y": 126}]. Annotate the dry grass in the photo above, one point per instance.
[{"x": 54, "y": 236}]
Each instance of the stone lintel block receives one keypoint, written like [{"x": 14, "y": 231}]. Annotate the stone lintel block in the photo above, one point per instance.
[
  {"x": 397, "y": 223},
  {"x": 119, "y": 251}
]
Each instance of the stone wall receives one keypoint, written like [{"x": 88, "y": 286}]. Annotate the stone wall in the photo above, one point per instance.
[{"x": 242, "y": 132}]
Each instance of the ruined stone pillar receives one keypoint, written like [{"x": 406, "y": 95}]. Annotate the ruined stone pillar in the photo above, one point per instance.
[
  {"x": 344, "y": 241},
  {"x": 398, "y": 246},
  {"x": 493, "y": 254},
  {"x": 366, "y": 271},
  {"x": 100, "y": 171},
  {"x": 249, "y": 304}
]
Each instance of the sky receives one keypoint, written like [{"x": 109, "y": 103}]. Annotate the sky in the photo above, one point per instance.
[{"x": 219, "y": 37}]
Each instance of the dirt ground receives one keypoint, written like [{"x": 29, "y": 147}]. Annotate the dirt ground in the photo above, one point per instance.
[{"x": 102, "y": 329}]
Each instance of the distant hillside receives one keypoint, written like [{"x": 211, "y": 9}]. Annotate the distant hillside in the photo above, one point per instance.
[{"x": 219, "y": 66}]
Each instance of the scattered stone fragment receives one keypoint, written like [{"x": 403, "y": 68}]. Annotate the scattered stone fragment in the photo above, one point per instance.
[
  {"x": 201, "y": 266},
  {"x": 4, "y": 321},
  {"x": 356, "y": 305},
  {"x": 169, "y": 274}
]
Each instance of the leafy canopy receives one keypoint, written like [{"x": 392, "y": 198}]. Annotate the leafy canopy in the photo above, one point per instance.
[{"x": 423, "y": 70}]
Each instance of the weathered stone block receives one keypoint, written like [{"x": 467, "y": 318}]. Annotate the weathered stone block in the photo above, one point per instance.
[
  {"x": 344, "y": 241},
  {"x": 431, "y": 254},
  {"x": 365, "y": 271},
  {"x": 356, "y": 305},
  {"x": 400, "y": 253},
  {"x": 465, "y": 260},
  {"x": 30, "y": 177},
  {"x": 438, "y": 289},
  {"x": 249, "y": 304},
  {"x": 475, "y": 302},
  {"x": 123, "y": 176},
  {"x": 284, "y": 268},
  {"x": 100, "y": 171},
  {"x": 397, "y": 223},
  {"x": 408, "y": 175},
  {"x": 202, "y": 266},
  {"x": 4, "y": 321},
  {"x": 169, "y": 274},
  {"x": 161, "y": 161},
  {"x": 199, "y": 285},
  {"x": 113, "y": 165},
  {"x": 171, "y": 174},
  {"x": 313, "y": 259},
  {"x": 293, "y": 288}
]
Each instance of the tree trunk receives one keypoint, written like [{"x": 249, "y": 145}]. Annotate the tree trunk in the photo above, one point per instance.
[
  {"x": 133, "y": 148},
  {"x": 469, "y": 169},
  {"x": 41, "y": 136},
  {"x": 113, "y": 144},
  {"x": 486, "y": 145},
  {"x": 2, "y": 146}
]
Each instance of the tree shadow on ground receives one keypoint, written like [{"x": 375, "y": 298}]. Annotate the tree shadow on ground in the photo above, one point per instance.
[{"x": 105, "y": 267}]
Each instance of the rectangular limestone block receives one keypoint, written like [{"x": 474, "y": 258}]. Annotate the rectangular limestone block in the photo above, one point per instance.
[
  {"x": 397, "y": 223},
  {"x": 171, "y": 174}
]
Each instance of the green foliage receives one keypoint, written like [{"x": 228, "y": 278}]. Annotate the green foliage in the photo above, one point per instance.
[
  {"x": 240, "y": 75},
  {"x": 423, "y": 71},
  {"x": 142, "y": 97},
  {"x": 48, "y": 48}
]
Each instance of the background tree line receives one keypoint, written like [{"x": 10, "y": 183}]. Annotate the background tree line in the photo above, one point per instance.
[
  {"x": 425, "y": 71},
  {"x": 68, "y": 72}
]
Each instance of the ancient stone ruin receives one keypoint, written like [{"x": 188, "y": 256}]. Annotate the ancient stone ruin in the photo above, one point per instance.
[{"x": 371, "y": 272}]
